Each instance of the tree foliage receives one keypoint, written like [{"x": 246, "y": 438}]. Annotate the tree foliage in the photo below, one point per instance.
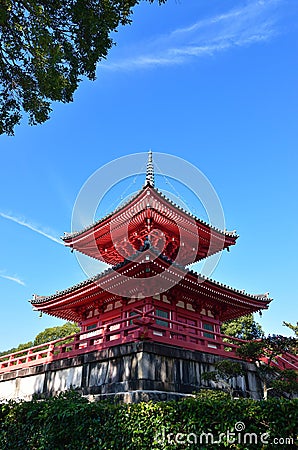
[
  {"x": 243, "y": 328},
  {"x": 286, "y": 382},
  {"x": 53, "y": 333},
  {"x": 19, "y": 348},
  {"x": 269, "y": 347},
  {"x": 224, "y": 371},
  {"x": 47, "y": 335},
  {"x": 47, "y": 46},
  {"x": 292, "y": 327},
  {"x": 263, "y": 353},
  {"x": 70, "y": 422}
]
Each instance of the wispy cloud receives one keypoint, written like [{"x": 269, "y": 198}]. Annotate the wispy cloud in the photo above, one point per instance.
[
  {"x": 252, "y": 23},
  {"x": 15, "y": 279},
  {"x": 35, "y": 228}
]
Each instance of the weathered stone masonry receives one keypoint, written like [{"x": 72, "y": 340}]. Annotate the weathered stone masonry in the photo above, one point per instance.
[{"x": 131, "y": 372}]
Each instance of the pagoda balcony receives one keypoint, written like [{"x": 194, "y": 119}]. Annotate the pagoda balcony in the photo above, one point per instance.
[{"x": 141, "y": 326}]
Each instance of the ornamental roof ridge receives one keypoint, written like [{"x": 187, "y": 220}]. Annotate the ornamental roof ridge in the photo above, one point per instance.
[{"x": 42, "y": 299}]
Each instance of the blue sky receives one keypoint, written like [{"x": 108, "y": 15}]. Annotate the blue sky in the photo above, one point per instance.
[{"x": 213, "y": 82}]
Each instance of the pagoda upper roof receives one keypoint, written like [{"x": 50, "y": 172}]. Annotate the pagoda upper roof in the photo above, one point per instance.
[
  {"x": 70, "y": 303},
  {"x": 180, "y": 235}
]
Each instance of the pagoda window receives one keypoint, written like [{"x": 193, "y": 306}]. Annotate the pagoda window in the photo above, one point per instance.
[
  {"x": 163, "y": 314},
  {"x": 131, "y": 314},
  {"x": 90, "y": 330},
  {"x": 209, "y": 327}
]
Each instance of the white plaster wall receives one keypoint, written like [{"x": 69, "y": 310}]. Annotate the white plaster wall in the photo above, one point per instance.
[
  {"x": 62, "y": 380},
  {"x": 22, "y": 388},
  {"x": 28, "y": 386},
  {"x": 8, "y": 390}
]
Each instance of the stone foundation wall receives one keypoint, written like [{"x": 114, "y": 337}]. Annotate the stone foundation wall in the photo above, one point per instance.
[{"x": 138, "y": 371}]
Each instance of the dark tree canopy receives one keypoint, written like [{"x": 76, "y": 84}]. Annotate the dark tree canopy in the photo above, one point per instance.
[
  {"x": 47, "y": 335},
  {"x": 19, "y": 348},
  {"x": 270, "y": 347},
  {"x": 243, "y": 328},
  {"x": 292, "y": 327},
  {"x": 53, "y": 333},
  {"x": 224, "y": 371},
  {"x": 46, "y": 46}
]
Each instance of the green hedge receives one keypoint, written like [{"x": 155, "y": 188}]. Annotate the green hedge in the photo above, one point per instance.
[{"x": 71, "y": 422}]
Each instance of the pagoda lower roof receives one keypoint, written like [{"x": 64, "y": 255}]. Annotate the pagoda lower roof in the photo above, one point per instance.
[
  {"x": 108, "y": 286},
  {"x": 178, "y": 234}
]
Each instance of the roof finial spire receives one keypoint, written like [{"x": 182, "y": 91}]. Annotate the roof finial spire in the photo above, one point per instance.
[{"x": 150, "y": 170}]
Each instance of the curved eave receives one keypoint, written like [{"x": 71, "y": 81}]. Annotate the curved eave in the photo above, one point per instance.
[
  {"x": 87, "y": 240},
  {"x": 66, "y": 304},
  {"x": 226, "y": 234},
  {"x": 238, "y": 303},
  {"x": 69, "y": 237}
]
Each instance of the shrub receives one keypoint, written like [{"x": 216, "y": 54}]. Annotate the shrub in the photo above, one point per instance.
[{"x": 69, "y": 421}]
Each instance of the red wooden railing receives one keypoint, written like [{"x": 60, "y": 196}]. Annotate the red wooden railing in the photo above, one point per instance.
[{"x": 141, "y": 326}]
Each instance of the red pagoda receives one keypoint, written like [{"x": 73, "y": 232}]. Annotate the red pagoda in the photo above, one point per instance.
[
  {"x": 149, "y": 241},
  {"x": 149, "y": 325}
]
